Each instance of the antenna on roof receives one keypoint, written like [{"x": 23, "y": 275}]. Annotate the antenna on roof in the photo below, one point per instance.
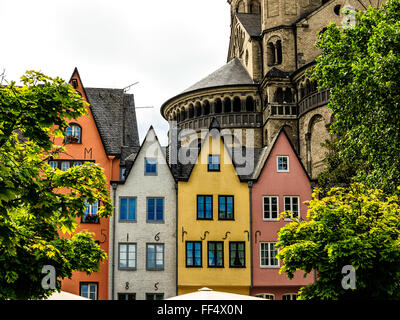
[{"x": 128, "y": 87}]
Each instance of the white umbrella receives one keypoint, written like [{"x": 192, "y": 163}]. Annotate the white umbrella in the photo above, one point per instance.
[
  {"x": 65, "y": 296},
  {"x": 209, "y": 294}
]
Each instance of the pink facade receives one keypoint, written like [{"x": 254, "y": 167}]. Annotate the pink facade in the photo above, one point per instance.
[{"x": 293, "y": 183}]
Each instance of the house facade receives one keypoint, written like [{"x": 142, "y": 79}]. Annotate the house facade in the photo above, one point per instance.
[
  {"x": 97, "y": 137},
  {"x": 280, "y": 184},
  {"x": 142, "y": 260},
  {"x": 213, "y": 237}
]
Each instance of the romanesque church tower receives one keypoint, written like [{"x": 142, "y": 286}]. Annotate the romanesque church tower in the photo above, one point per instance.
[{"x": 264, "y": 87}]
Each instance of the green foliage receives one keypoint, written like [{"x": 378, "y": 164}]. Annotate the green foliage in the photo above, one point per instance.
[
  {"x": 351, "y": 226},
  {"x": 33, "y": 210},
  {"x": 361, "y": 66}
]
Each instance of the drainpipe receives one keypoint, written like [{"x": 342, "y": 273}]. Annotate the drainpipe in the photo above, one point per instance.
[
  {"x": 176, "y": 233},
  {"x": 114, "y": 186},
  {"x": 250, "y": 183}
]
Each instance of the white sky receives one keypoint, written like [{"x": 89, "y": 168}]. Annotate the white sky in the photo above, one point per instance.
[{"x": 165, "y": 45}]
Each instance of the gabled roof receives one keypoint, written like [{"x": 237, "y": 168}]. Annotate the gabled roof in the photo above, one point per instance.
[
  {"x": 232, "y": 73},
  {"x": 131, "y": 159},
  {"x": 251, "y": 22},
  {"x": 183, "y": 171},
  {"x": 265, "y": 153},
  {"x": 115, "y": 117}
]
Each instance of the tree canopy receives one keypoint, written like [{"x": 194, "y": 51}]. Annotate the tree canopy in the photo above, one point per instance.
[
  {"x": 352, "y": 226},
  {"x": 361, "y": 66},
  {"x": 37, "y": 203}
]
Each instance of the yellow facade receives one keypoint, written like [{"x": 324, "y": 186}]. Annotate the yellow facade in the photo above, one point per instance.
[{"x": 222, "y": 182}]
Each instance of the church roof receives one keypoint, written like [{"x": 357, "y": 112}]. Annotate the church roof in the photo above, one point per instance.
[
  {"x": 232, "y": 73},
  {"x": 115, "y": 120},
  {"x": 251, "y": 22}
]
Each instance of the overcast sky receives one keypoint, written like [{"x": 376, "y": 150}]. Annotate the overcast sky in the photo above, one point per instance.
[{"x": 165, "y": 45}]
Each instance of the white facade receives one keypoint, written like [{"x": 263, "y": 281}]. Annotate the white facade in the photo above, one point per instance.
[{"x": 133, "y": 272}]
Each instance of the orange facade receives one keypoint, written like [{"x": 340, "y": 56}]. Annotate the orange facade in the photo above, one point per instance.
[{"x": 90, "y": 148}]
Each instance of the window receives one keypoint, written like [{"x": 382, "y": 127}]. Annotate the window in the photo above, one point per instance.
[
  {"x": 204, "y": 207},
  {"x": 268, "y": 253},
  {"x": 213, "y": 162},
  {"x": 225, "y": 208},
  {"x": 237, "y": 254},
  {"x": 122, "y": 171},
  {"x": 155, "y": 256},
  {"x": 77, "y": 163},
  {"x": 150, "y": 166},
  {"x": 127, "y": 256},
  {"x": 292, "y": 205},
  {"x": 215, "y": 254},
  {"x": 126, "y": 296},
  {"x": 282, "y": 163},
  {"x": 73, "y": 134},
  {"x": 53, "y": 164},
  {"x": 91, "y": 215},
  {"x": 290, "y": 296},
  {"x": 267, "y": 296},
  {"x": 65, "y": 165},
  {"x": 193, "y": 254},
  {"x": 88, "y": 290},
  {"x": 270, "y": 205},
  {"x": 154, "y": 296},
  {"x": 127, "y": 209},
  {"x": 155, "y": 209}
]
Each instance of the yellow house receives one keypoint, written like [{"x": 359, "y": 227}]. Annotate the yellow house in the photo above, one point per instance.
[{"x": 213, "y": 222}]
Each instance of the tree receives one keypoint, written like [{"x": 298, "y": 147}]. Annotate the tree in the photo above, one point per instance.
[
  {"x": 353, "y": 226},
  {"x": 361, "y": 66},
  {"x": 33, "y": 211}
]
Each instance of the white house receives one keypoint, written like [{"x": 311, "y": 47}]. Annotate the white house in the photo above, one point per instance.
[{"x": 143, "y": 227}]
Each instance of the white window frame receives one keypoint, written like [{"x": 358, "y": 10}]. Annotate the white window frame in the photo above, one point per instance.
[
  {"x": 290, "y": 295},
  {"x": 268, "y": 266},
  {"x": 90, "y": 285},
  {"x": 266, "y": 296},
  {"x": 270, "y": 208},
  {"x": 291, "y": 206},
  {"x": 277, "y": 164},
  {"x": 127, "y": 244},
  {"x": 63, "y": 162}
]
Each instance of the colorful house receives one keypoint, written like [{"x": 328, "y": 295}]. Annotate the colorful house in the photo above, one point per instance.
[
  {"x": 281, "y": 183},
  {"x": 142, "y": 260},
  {"x": 213, "y": 227},
  {"x": 106, "y": 135}
]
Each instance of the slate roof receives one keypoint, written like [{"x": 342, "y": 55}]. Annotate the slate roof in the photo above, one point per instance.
[
  {"x": 115, "y": 120},
  {"x": 277, "y": 73},
  {"x": 232, "y": 73},
  {"x": 251, "y": 22}
]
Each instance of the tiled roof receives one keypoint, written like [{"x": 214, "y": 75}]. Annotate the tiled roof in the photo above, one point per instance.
[
  {"x": 232, "y": 73},
  {"x": 251, "y": 22},
  {"x": 115, "y": 119}
]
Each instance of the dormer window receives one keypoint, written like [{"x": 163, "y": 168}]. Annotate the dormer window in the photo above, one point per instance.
[
  {"x": 73, "y": 134},
  {"x": 74, "y": 83}
]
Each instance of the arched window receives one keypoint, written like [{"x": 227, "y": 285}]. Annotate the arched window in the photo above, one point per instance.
[
  {"x": 249, "y": 104},
  {"x": 206, "y": 108},
  {"x": 288, "y": 96},
  {"x": 218, "y": 106},
  {"x": 270, "y": 54},
  {"x": 237, "y": 104},
  {"x": 227, "y": 105},
  {"x": 278, "y": 52},
  {"x": 191, "y": 111},
  {"x": 279, "y": 95},
  {"x": 73, "y": 134},
  {"x": 183, "y": 115},
  {"x": 198, "y": 109},
  {"x": 255, "y": 7},
  {"x": 240, "y": 8}
]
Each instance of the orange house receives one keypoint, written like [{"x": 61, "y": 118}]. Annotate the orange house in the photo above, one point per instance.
[{"x": 106, "y": 135}]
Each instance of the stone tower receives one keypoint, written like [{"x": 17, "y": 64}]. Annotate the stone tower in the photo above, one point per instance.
[{"x": 263, "y": 87}]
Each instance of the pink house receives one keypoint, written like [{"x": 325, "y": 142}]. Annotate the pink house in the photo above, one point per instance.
[{"x": 280, "y": 183}]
